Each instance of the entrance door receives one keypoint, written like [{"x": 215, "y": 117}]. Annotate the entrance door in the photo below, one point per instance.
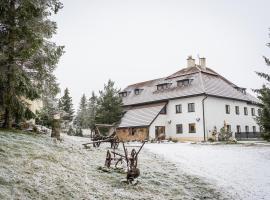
[{"x": 159, "y": 130}]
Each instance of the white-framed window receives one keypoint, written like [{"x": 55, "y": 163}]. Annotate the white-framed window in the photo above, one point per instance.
[
  {"x": 246, "y": 129},
  {"x": 178, "y": 108},
  {"x": 245, "y": 111},
  {"x": 227, "y": 109},
  {"x": 237, "y": 110},
  {"x": 229, "y": 128},
  {"x": 192, "y": 128},
  {"x": 253, "y": 111},
  {"x": 179, "y": 128},
  {"x": 191, "y": 107},
  {"x": 238, "y": 128}
]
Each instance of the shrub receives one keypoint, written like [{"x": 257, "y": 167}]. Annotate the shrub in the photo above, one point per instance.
[{"x": 174, "y": 140}]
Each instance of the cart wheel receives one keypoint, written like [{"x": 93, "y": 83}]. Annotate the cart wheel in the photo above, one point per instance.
[{"x": 108, "y": 159}]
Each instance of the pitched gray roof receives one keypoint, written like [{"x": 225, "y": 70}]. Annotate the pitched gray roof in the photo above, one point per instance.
[
  {"x": 204, "y": 81},
  {"x": 140, "y": 116}
]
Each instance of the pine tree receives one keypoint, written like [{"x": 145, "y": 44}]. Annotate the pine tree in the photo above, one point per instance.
[
  {"x": 91, "y": 111},
  {"x": 45, "y": 116},
  {"x": 109, "y": 105},
  {"x": 81, "y": 118},
  {"x": 65, "y": 104},
  {"x": 263, "y": 118},
  {"x": 27, "y": 57}
]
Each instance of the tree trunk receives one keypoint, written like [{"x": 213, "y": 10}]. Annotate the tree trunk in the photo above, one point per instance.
[
  {"x": 8, "y": 90},
  {"x": 56, "y": 128},
  {"x": 7, "y": 119}
]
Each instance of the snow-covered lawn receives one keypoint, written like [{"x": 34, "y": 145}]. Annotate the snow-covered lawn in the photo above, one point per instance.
[
  {"x": 242, "y": 170},
  {"x": 38, "y": 167}
]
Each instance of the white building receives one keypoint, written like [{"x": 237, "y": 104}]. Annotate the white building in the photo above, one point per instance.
[{"x": 187, "y": 105}]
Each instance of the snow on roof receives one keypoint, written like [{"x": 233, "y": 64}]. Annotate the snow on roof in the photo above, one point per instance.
[
  {"x": 140, "y": 116},
  {"x": 204, "y": 81}
]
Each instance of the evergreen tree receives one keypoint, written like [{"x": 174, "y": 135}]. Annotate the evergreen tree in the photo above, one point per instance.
[
  {"x": 45, "y": 115},
  {"x": 109, "y": 105},
  {"x": 27, "y": 57},
  {"x": 65, "y": 104},
  {"x": 264, "y": 95},
  {"x": 91, "y": 111},
  {"x": 81, "y": 118}
]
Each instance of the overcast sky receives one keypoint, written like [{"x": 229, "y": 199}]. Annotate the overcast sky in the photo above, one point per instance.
[{"x": 133, "y": 41}]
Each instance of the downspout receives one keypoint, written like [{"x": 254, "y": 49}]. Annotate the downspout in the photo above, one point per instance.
[{"x": 204, "y": 136}]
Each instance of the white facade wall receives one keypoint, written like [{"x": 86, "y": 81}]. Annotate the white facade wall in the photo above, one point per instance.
[
  {"x": 215, "y": 114},
  {"x": 185, "y": 118}
]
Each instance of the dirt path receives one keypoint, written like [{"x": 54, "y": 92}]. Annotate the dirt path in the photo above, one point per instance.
[{"x": 35, "y": 167}]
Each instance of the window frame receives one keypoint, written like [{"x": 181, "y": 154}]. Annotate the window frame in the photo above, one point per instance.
[
  {"x": 189, "y": 127},
  {"x": 247, "y": 129},
  {"x": 237, "y": 110},
  {"x": 238, "y": 129},
  {"x": 191, "y": 110},
  {"x": 252, "y": 111},
  {"x": 177, "y": 126},
  {"x": 227, "y": 109},
  {"x": 245, "y": 111},
  {"x": 229, "y": 128},
  {"x": 177, "y": 111}
]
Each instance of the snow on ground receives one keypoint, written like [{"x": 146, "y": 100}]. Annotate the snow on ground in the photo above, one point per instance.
[
  {"x": 38, "y": 167},
  {"x": 242, "y": 170}
]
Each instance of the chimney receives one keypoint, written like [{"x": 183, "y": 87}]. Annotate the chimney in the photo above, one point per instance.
[
  {"x": 190, "y": 62},
  {"x": 203, "y": 63}
]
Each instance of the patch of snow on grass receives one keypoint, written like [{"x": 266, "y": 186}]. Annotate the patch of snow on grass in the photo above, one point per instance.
[{"x": 241, "y": 170}]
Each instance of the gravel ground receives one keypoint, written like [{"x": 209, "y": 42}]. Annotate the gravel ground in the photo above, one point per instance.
[{"x": 37, "y": 167}]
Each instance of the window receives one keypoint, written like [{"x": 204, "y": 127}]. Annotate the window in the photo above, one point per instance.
[
  {"x": 184, "y": 82},
  {"x": 123, "y": 94},
  {"x": 164, "y": 110},
  {"x": 238, "y": 128},
  {"x": 245, "y": 111},
  {"x": 227, "y": 108},
  {"x": 191, "y": 107},
  {"x": 247, "y": 129},
  {"x": 178, "y": 108},
  {"x": 179, "y": 128},
  {"x": 252, "y": 111},
  {"x": 192, "y": 128},
  {"x": 163, "y": 86},
  {"x": 138, "y": 91},
  {"x": 159, "y": 130},
  {"x": 237, "y": 110},
  {"x": 228, "y": 128},
  {"x": 254, "y": 129}
]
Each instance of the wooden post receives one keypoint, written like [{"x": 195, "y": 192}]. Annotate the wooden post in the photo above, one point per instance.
[{"x": 56, "y": 126}]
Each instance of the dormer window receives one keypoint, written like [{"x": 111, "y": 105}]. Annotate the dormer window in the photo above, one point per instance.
[
  {"x": 123, "y": 94},
  {"x": 137, "y": 91},
  {"x": 184, "y": 82},
  {"x": 242, "y": 90},
  {"x": 163, "y": 86}
]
